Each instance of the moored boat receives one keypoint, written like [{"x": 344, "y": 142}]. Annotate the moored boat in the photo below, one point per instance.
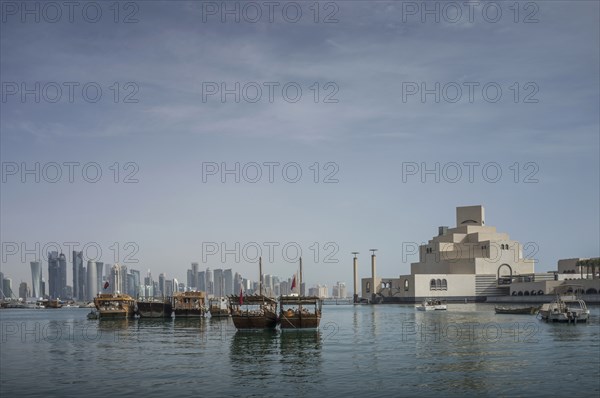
[
  {"x": 152, "y": 308},
  {"x": 519, "y": 310},
  {"x": 299, "y": 312},
  {"x": 566, "y": 307},
  {"x": 255, "y": 311},
  {"x": 189, "y": 304},
  {"x": 432, "y": 304},
  {"x": 114, "y": 305},
  {"x": 218, "y": 307}
]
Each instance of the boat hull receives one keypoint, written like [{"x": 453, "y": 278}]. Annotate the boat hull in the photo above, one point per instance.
[
  {"x": 523, "y": 311},
  {"x": 154, "y": 309},
  {"x": 299, "y": 322},
  {"x": 219, "y": 313},
  {"x": 189, "y": 313},
  {"x": 246, "y": 322}
]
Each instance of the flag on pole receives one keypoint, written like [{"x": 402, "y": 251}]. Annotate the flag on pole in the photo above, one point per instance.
[
  {"x": 241, "y": 296},
  {"x": 106, "y": 284},
  {"x": 294, "y": 282}
]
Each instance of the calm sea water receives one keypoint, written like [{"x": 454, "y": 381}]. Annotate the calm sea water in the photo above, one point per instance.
[{"x": 367, "y": 351}]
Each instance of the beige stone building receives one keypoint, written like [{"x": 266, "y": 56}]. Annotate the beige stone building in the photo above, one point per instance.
[
  {"x": 474, "y": 262},
  {"x": 470, "y": 261}
]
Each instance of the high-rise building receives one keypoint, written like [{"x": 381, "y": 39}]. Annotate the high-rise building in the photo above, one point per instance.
[
  {"x": 194, "y": 284},
  {"x": 7, "y": 288},
  {"x": 82, "y": 281},
  {"x": 92, "y": 279},
  {"x": 99, "y": 278},
  {"x": 202, "y": 281},
  {"x": 77, "y": 267},
  {"x": 169, "y": 283},
  {"x": 57, "y": 274},
  {"x": 136, "y": 283},
  {"x": 62, "y": 265},
  {"x": 1, "y": 285},
  {"x": 162, "y": 285},
  {"x": 24, "y": 291},
  {"x": 36, "y": 279},
  {"x": 219, "y": 282},
  {"x": 190, "y": 279},
  {"x": 53, "y": 275},
  {"x": 130, "y": 285},
  {"x": 209, "y": 281},
  {"x": 118, "y": 279},
  {"x": 227, "y": 282},
  {"x": 237, "y": 283},
  {"x": 339, "y": 290}
]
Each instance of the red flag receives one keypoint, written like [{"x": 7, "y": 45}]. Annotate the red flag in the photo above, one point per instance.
[
  {"x": 294, "y": 282},
  {"x": 105, "y": 285},
  {"x": 241, "y": 296}
]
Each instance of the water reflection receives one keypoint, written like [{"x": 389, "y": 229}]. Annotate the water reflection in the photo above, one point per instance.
[
  {"x": 252, "y": 355},
  {"x": 301, "y": 359}
]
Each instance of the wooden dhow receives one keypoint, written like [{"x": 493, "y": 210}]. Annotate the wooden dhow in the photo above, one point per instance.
[{"x": 255, "y": 311}]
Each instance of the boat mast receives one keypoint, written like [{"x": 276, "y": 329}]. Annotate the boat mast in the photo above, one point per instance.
[
  {"x": 300, "y": 279},
  {"x": 260, "y": 283},
  {"x": 300, "y": 288}
]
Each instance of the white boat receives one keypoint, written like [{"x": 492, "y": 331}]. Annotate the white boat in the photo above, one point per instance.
[
  {"x": 566, "y": 307},
  {"x": 431, "y": 304}
]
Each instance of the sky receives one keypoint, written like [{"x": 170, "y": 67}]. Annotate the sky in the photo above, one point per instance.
[{"x": 156, "y": 134}]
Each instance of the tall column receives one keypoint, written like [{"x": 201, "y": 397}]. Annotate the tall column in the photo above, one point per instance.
[
  {"x": 373, "y": 273},
  {"x": 355, "y": 261}
]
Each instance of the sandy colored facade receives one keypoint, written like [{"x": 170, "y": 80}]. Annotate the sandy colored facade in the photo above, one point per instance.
[{"x": 470, "y": 261}]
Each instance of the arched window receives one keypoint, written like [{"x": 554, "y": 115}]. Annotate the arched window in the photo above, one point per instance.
[
  {"x": 514, "y": 293},
  {"x": 438, "y": 284},
  {"x": 444, "y": 284},
  {"x": 520, "y": 293},
  {"x": 406, "y": 285},
  {"x": 533, "y": 292},
  {"x": 432, "y": 284},
  {"x": 591, "y": 290},
  {"x": 526, "y": 293},
  {"x": 540, "y": 292}
]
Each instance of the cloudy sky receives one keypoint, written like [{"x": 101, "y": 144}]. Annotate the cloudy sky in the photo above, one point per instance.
[{"x": 143, "y": 106}]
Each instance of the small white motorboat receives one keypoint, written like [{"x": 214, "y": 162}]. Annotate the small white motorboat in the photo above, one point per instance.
[
  {"x": 432, "y": 304},
  {"x": 566, "y": 307}
]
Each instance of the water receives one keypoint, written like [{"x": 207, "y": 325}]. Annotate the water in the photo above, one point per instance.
[{"x": 367, "y": 351}]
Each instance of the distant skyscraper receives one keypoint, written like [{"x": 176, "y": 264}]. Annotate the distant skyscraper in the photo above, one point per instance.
[
  {"x": 202, "y": 281},
  {"x": 7, "y": 288},
  {"x": 237, "y": 283},
  {"x": 209, "y": 281},
  {"x": 228, "y": 282},
  {"x": 77, "y": 267},
  {"x": 118, "y": 279},
  {"x": 24, "y": 291},
  {"x": 82, "y": 281},
  {"x": 36, "y": 279},
  {"x": 218, "y": 285},
  {"x": 162, "y": 284},
  {"x": 62, "y": 266},
  {"x": 57, "y": 274},
  {"x": 137, "y": 283},
  {"x": 194, "y": 276},
  {"x": 92, "y": 279},
  {"x": 190, "y": 279},
  {"x": 99, "y": 278}
]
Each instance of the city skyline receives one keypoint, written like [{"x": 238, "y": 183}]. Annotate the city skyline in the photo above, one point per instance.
[{"x": 385, "y": 141}]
